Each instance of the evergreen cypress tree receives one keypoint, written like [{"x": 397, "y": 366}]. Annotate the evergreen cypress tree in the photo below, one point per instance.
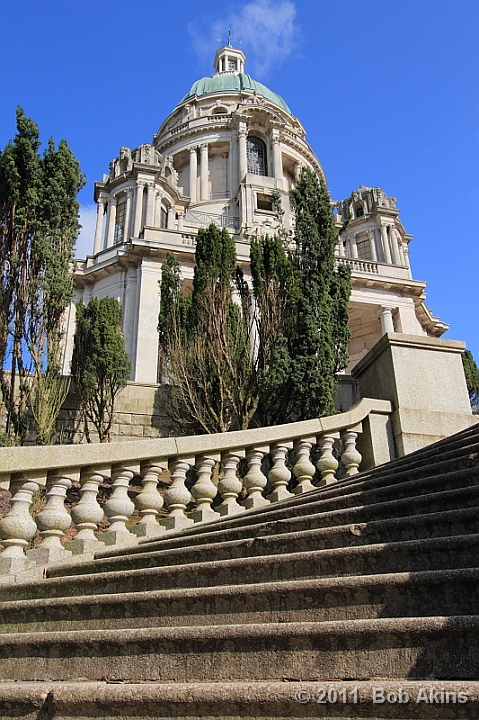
[
  {"x": 100, "y": 365},
  {"x": 205, "y": 338},
  {"x": 319, "y": 345},
  {"x": 38, "y": 229},
  {"x": 301, "y": 300},
  {"x": 471, "y": 371}
]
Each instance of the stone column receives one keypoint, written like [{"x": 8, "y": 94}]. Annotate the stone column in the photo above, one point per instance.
[
  {"x": 100, "y": 212},
  {"x": 277, "y": 160},
  {"x": 126, "y": 229},
  {"x": 243, "y": 162},
  {"x": 138, "y": 208},
  {"x": 387, "y": 323},
  {"x": 385, "y": 243},
  {"x": 110, "y": 230},
  {"x": 170, "y": 222},
  {"x": 233, "y": 169},
  {"x": 181, "y": 218},
  {"x": 353, "y": 246},
  {"x": 193, "y": 174},
  {"x": 394, "y": 245},
  {"x": 372, "y": 245},
  {"x": 157, "y": 215},
  {"x": 150, "y": 202},
  {"x": 204, "y": 171}
]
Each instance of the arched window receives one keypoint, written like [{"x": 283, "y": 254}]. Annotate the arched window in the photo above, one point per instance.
[{"x": 256, "y": 156}]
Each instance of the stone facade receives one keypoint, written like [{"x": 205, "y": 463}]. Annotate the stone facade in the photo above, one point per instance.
[{"x": 218, "y": 157}]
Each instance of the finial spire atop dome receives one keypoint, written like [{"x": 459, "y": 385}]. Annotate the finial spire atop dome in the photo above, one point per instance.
[{"x": 229, "y": 60}]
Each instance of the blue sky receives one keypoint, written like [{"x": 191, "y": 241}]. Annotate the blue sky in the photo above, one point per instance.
[{"x": 388, "y": 93}]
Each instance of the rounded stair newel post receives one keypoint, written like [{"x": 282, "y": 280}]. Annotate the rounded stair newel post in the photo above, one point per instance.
[
  {"x": 204, "y": 490},
  {"x": 149, "y": 502},
  {"x": 327, "y": 463},
  {"x": 303, "y": 469},
  {"x": 350, "y": 458},
  {"x": 279, "y": 475},
  {"x": 87, "y": 513},
  {"x": 255, "y": 481},
  {"x": 119, "y": 509},
  {"x": 230, "y": 486},
  {"x": 17, "y": 528},
  {"x": 178, "y": 496}
]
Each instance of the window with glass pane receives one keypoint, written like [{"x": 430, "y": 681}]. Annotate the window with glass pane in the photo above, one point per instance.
[
  {"x": 119, "y": 223},
  {"x": 256, "y": 156},
  {"x": 163, "y": 217},
  {"x": 364, "y": 249}
]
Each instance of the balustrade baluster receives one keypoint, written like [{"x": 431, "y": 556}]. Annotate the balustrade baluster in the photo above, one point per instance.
[
  {"x": 303, "y": 469},
  {"x": 87, "y": 513},
  {"x": 327, "y": 463},
  {"x": 230, "y": 486},
  {"x": 350, "y": 458},
  {"x": 119, "y": 508},
  {"x": 17, "y": 528},
  {"x": 254, "y": 480},
  {"x": 204, "y": 490},
  {"x": 279, "y": 475},
  {"x": 149, "y": 501},
  {"x": 54, "y": 519},
  {"x": 178, "y": 496}
]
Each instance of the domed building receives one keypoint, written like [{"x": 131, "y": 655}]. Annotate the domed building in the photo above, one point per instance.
[{"x": 218, "y": 157}]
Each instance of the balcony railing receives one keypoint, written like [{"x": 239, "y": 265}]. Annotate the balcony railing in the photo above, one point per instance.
[{"x": 203, "y": 219}]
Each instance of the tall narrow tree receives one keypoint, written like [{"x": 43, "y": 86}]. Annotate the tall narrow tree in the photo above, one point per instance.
[
  {"x": 38, "y": 229},
  {"x": 206, "y": 342},
  {"x": 100, "y": 365},
  {"x": 319, "y": 346}
]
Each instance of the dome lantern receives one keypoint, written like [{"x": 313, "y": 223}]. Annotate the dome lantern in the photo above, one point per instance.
[{"x": 229, "y": 60}]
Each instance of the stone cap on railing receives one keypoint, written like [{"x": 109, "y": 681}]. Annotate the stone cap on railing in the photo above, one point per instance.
[{"x": 44, "y": 459}]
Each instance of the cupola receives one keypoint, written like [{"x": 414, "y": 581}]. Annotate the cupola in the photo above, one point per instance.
[{"x": 229, "y": 60}]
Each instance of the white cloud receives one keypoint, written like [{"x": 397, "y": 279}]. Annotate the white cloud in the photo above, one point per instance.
[
  {"x": 84, "y": 245},
  {"x": 265, "y": 30}
]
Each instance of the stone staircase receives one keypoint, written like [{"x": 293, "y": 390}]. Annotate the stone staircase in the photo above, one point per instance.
[{"x": 355, "y": 600}]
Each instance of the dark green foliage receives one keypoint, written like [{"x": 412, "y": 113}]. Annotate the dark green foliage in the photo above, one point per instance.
[
  {"x": 471, "y": 372},
  {"x": 38, "y": 230},
  {"x": 100, "y": 365},
  {"x": 277, "y": 359},
  {"x": 308, "y": 297},
  {"x": 276, "y": 295},
  {"x": 205, "y": 338}
]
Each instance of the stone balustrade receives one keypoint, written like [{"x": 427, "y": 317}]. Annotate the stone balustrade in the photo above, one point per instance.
[{"x": 205, "y": 482}]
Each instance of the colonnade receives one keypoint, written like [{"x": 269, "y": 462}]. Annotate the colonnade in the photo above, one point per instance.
[
  {"x": 393, "y": 253},
  {"x": 135, "y": 211}
]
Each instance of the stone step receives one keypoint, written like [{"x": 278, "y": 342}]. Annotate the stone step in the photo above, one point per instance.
[
  {"x": 311, "y": 600},
  {"x": 326, "y": 500},
  {"x": 417, "y": 648},
  {"x": 346, "y": 492},
  {"x": 408, "y": 556},
  {"x": 286, "y": 540},
  {"x": 466, "y": 500},
  {"x": 327, "y": 698}
]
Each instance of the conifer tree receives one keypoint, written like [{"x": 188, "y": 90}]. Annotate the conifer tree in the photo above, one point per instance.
[
  {"x": 205, "y": 338},
  {"x": 471, "y": 371},
  {"x": 38, "y": 229},
  {"x": 303, "y": 348},
  {"x": 319, "y": 347},
  {"x": 100, "y": 365}
]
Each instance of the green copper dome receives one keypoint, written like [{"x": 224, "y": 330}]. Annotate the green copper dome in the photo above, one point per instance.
[{"x": 224, "y": 82}]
